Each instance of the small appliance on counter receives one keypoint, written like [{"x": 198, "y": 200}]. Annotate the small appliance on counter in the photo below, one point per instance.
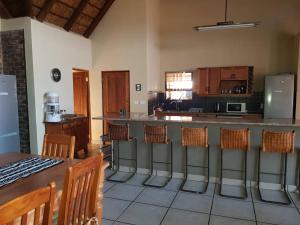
[
  {"x": 53, "y": 112},
  {"x": 279, "y": 96},
  {"x": 236, "y": 107}
]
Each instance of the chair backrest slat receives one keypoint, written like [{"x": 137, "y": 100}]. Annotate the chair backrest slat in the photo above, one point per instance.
[
  {"x": 21, "y": 206},
  {"x": 61, "y": 146},
  {"x": 235, "y": 139},
  {"x": 280, "y": 142},
  {"x": 79, "y": 197},
  {"x": 196, "y": 137},
  {"x": 118, "y": 132},
  {"x": 155, "y": 134}
]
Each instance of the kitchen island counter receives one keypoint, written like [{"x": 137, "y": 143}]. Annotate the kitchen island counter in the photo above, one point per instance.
[
  {"x": 219, "y": 119},
  {"x": 232, "y": 159}
]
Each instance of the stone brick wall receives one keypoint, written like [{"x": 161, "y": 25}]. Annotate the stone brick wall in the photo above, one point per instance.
[{"x": 12, "y": 61}]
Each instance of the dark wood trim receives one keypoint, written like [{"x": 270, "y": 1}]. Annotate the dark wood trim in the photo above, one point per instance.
[
  {"x": 28, "y": 7},
  {"x": 98, "y": 18},
  {"x": 4, "y": 12},
  {"x": 45, "y": 10},
  {"x": 75, "y": 15},
  {"x": 66, "y": 4},
  {"x": 93, "y": 5},
  {"x": 89, "y": 101}
]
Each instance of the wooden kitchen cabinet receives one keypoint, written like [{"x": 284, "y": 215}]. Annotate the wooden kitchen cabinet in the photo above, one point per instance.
[
  {"x": 207, "y": 81},
  {"x": 222, "y": 80},
  {"x": 235, "y": 73},
  {"x": 76, "y": 126}
]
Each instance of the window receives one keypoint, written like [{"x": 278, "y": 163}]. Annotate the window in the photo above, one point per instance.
[{"x": 179, "y": 85}]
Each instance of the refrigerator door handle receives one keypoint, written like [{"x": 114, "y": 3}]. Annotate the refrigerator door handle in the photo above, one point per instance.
[{"x": 9, "y": 135}]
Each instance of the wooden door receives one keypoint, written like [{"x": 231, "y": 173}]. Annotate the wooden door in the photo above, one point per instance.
[
  {"x": 214, "y": 81},
  {"x": 115, "y": 94},
  {"x": 82, "y": 99},
  {"x": 81, "y": 93}
]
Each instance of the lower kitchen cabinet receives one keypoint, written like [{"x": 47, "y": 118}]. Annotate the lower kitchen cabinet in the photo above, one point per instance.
[{"x": 75, "y": 126}]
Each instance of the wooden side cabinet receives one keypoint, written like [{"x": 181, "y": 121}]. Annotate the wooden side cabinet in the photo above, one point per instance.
[{"x": 76, "y": 126}]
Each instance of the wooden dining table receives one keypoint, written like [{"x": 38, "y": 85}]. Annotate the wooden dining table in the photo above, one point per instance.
[
  {"x": 34, "y": 181},
  {"x": 41, "y": 179}
]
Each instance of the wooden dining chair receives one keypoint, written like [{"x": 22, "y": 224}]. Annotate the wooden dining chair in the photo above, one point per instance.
[
  {"x": 61, "y": 146},
  {"x": 80, "y": 194},
  {"x": 21, "y": 206}
]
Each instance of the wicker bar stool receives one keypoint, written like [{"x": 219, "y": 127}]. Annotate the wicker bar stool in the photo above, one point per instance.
[
  {"x": 276, "y": 142},
  {"x": 117, "y": 133},
  {"x": 157, "y": 135},
  {"x": 238, "y": 140},
  {"x": 194, "y": 137}
]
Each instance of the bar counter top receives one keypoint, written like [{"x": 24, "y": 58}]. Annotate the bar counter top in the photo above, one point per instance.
[{"x": 227, "y": 120}]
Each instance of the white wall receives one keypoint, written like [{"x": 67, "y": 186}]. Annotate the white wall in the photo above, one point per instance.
[
  {"x": 119, "y": 43},
  {"x": 56, "y": 48},
  {"x": 153, "y": 44},
  {"x": 49, "y": 47},
  {"x": 270, "y": 47}
]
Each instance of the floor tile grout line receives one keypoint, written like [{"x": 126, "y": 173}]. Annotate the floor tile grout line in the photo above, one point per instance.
[
  {"x": 110, "y": 188},
  {"x": 186, "y": 210},
  {"x": 169, "y": 208},
  {"x": 293, "y": 202},
  {"x": 211, "y": 207},
  {"x": 177, "y": 192},
  {"x": 235, "y": 218},
  {"x": 253, "y": 206},
  {"x": 129, "y": 205}
]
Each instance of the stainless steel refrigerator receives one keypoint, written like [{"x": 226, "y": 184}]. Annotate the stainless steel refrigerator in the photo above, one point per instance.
[
  {"x": 9, "y": 122},
  {"x": 279, "y": 96}
]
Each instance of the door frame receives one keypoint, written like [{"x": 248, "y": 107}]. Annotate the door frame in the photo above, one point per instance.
[
  {"x": 89, "y": 99},
  {"x": 111, "y": 71}
]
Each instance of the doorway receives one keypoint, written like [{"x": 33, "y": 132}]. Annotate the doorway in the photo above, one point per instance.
[
  {"x": 81, "y": 92},
  {"x": 115, "y": 94}
]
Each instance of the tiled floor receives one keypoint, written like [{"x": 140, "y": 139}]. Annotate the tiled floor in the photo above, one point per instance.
[{"x": 132, "y": 203}]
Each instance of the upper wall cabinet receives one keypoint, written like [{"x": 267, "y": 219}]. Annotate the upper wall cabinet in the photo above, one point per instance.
[{"x": 223, "y": 81}]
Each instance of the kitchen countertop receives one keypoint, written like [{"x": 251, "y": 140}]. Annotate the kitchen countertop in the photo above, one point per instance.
[
  {"x": 143, "y": 117},
  {"x": 68, "y": 119}
]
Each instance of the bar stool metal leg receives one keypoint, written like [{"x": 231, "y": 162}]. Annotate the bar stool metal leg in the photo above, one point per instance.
[
  {"x": 245, "y": 195},
  {"x": 170, "y": 163},
  {"x": 182, "y": 188},
  {"x": 130, "y": 174},
  {"x": 288, "y": 201}
]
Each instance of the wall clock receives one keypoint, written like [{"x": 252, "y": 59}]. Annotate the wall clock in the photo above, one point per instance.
[{"x": 55, "y": 75}]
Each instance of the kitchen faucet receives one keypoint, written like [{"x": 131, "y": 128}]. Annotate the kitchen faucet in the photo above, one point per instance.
[{"x": 176, "y": 104}]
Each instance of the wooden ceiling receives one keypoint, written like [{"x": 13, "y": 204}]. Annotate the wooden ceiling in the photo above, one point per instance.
[{"x": 79, "y": 16}]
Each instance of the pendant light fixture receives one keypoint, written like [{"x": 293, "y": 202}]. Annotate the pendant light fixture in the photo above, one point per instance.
[{"x": 226, "y": 24}]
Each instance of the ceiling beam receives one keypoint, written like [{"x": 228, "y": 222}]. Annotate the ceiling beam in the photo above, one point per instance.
[
  {"x": 76, "y": 14},
  {"x": 4, "y": 12},
  {"x": 98, "y": 18},
  {"x": 45, "y": 10},
  {"x": 28, "y": 8}
]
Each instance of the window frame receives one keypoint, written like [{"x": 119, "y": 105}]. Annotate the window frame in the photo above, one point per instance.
[{"x": 183, "y": 71}]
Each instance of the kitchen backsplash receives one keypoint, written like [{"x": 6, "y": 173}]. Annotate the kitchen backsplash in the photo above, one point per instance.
[{"x": 254, "y": 102}]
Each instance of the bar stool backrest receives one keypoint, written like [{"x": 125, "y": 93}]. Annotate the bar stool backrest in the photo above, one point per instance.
[
  {"x": 280, "y": 142},
  {"x": 235, "y": 139},
  {"x": 118, "y": 132},
  {"x": 196, "y": 137},
  {"x": 155, "y": 134}
]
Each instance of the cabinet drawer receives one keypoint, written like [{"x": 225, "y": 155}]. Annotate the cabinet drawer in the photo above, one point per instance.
[{"x": 234, "y": 73}]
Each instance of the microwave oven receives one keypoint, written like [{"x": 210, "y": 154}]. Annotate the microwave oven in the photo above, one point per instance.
[{"x": 236, "y": 107}]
